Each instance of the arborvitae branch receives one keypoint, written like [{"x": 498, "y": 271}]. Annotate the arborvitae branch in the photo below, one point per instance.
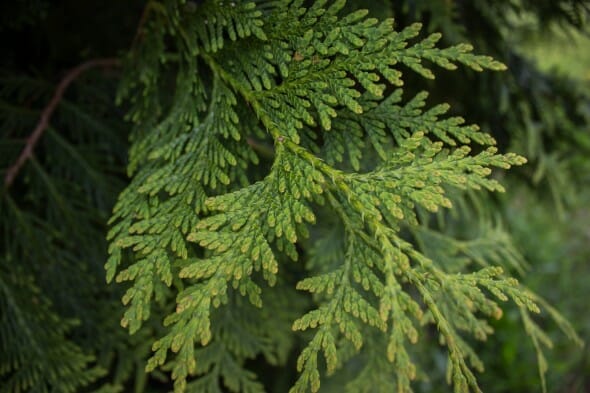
[{"x": 199, "y": 216}]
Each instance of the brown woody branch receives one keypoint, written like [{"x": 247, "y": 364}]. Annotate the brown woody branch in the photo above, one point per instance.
[
  {"x": 43, "y": 123},
  {"x": 139, "y": 32}
]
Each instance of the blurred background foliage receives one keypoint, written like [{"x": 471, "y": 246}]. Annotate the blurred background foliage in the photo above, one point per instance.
[{"x": 53, "y": 246}]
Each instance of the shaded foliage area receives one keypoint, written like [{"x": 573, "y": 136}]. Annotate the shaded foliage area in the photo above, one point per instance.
[{"x": 252, "y": 142}]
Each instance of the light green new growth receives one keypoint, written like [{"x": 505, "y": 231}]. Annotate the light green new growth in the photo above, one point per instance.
[{"x": 201, "y": 221}]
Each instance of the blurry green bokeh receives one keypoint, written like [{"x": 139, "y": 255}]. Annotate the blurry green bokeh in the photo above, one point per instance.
[{"x": 565, "y": 51}]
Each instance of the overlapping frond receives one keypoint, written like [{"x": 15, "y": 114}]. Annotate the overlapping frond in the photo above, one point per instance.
[{"x": 207, "y": 216}]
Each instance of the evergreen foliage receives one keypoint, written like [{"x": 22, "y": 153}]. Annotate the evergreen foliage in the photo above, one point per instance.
[
  {"x": 307, "y": 75},
  {"x": 53, "y": 241},
  {"x": 290, "y": 200},
  {"x": 523, "y": 107}
]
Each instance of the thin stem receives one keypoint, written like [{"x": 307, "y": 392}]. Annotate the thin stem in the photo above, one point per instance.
[
  {"x": 262, "y": 148},
  {"x": 43, "y": 123},
  {"x": 140, "y": 30}
]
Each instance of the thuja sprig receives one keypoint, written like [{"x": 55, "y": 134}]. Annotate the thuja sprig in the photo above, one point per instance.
[{"x": 206, "y": 216}]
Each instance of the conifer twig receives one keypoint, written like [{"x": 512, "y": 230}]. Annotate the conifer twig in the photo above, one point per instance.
[
  {"x": 139, "y": 31},
  {"x": 43, "y": 122}
]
